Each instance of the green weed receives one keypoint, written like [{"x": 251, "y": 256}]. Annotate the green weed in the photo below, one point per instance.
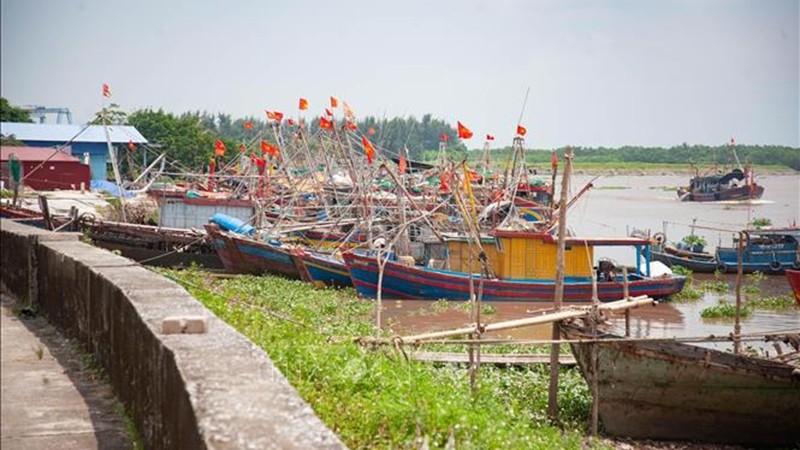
[{"x": 376, "y": 399}]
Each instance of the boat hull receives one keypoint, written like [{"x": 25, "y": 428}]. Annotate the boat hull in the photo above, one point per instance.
[
  {"x": 321, "y": 270},
  {"x": 794, "y": 281},
  {"x": 247, "y": 256},
  {"x": 673, "y": 391},
  {"x": 747, "y": 192},
  {"x": 414, "y": 282}
]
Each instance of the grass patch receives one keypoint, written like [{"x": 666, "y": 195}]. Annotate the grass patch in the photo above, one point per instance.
[
  {"x": 778, "y": 303},
  {"x": 375, "y": 399},
  {"x": 688, "y": 294},
  {"x": 724, "y": 311},
  {"x": 718, "y": 286}
]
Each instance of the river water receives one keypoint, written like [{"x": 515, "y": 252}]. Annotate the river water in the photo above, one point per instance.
[{"x": 619, "y": 204}]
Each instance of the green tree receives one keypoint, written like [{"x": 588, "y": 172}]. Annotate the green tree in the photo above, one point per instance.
[
  {"x": 111, "y": 115},
  {"x": 10, "y": 113}
]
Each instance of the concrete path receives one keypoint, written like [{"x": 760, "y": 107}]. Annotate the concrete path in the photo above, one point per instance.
[{"x": 51, "y": 398}]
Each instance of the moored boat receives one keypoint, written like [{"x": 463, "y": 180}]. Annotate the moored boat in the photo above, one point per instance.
[
  {"x": 768, "y": 250},
  {"x": 794, "y": 281},
  {"x": 674, "y": 391},
  {"x": 243, "y": 254},
  {"x": 524, "y": 270}
]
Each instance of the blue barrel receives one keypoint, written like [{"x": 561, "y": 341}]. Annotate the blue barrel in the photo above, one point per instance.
[{"x": 232, "y": 224}]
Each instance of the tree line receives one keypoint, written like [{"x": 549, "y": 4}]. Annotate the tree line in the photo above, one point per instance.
[{"x": 190, "y": 137}]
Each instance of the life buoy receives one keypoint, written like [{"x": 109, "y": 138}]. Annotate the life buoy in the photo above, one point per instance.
[{"x": 775, "y": 266}]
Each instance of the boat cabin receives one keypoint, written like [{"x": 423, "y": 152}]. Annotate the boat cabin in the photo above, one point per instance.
[{"x": 532, "y": 255}]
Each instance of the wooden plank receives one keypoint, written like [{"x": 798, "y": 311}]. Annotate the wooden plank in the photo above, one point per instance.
[{"x": 491, "y": 358}]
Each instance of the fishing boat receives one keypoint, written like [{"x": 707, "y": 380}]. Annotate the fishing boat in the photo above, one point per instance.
[
  {"x": 243, "y": 254},
  {"x": 522, "y": 268},
  {"x": 794, "y": 282},
  {"x": 674, "y": 391},
  {"x": 767, "y": 250},
  {"x": 737, "y": 184}
]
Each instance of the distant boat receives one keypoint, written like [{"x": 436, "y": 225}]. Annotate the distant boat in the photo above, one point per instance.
[
  {"x": 737, "y": 184},
  {"x": 674, "y": 391},
  {"x": 768, "y": 251},
  {"x": 794, "y": 281}
]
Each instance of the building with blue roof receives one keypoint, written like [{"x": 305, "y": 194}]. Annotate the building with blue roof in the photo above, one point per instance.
[{"x": 88, "y": 142}]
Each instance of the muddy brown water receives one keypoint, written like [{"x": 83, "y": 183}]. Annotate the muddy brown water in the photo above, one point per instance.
[{"x": 615, "y": 207}]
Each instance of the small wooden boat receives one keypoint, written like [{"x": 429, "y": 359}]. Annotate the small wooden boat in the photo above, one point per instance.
[
  {"x": 794, "y": 281},
  {"x": 674, "y": 391},
  {"x": 243, "y": 254}
]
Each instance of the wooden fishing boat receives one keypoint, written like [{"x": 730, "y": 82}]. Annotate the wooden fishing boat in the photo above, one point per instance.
[
  {"x": 724, "y": 187},
  {"x": 321, "y": 269},
  {"x": 522, "y": 266},
  {"x": 674, "y": 391},
  {"x": 769, "y": 251},
  {"x": 243, "y": 254},
  {"x": 794, "y": 281}
]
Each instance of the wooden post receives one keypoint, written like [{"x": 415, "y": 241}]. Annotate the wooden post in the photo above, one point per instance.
[
  {"x": 552, "y": 400},
  {"x": 48, "y": 220},
  {"x": 593, "y": 319},
  {"x": 626, "y": 296},
  {"x": 737, "y": 320}
]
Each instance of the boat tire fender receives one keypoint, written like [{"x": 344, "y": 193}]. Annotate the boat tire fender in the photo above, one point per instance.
[
  {"x": 775, "y": 266},
  {"x": 722, "y": 268},
  {"x": 796, "y": 265},
  {"x": 659, "y": 238}
]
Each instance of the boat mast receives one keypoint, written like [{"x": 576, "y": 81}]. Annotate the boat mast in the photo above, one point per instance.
[{"x": 113, "y": 155}]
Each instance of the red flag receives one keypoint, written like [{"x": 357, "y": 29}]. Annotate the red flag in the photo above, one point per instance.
[
  {"x": 266, "y": 147},
  {"x": 334, "y": 102},
  {"x": 368, "y": 149},
  {"x": 371, "y": 131},
  {"x": 303, "y": 104},
  {"x": 325, "y": 124},
  {"x": 106, "y": 91},
  {"x": 248, "y": 125},
  {"x": 328, "y": 112},
  {"x": 489, "y": 137},
  {"x": 350, "y": 125},
  {"x": 219, "y": 148},
  {"x": 348, "y": 111},
  {"x": 521, "y": 130},
  {"x": 463, "y": 132},
  {"x": 402, "y": 163},
  {"x": 261, "y": 163},
  {"x": 242, "y": 148},
  {"x": 445, "y": 137},
  {"x": 131, "y": 146},
  {"x": 555, "y": 160},
  {"x": 291, "y": 122}
]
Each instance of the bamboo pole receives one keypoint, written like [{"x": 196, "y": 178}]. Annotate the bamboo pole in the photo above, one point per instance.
[
  {"x": 626, "y": 296},
  {"x": 552, "y": 400},
  {"x": 595, "y": 317},
  {"x": 737, "y": 323}
]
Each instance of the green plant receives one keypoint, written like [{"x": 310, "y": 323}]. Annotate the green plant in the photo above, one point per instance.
[
  {"x": 375, "y": 399},
  {"x": 760, "y": 222},
  {"x": 694, "y": 240},
  {"x": 719, "y": 286},
  {"x": 723, "y": 311},
  {"x": 687, "y": 294},
  {"x": 781, "y": 302},
  {"x": 680, "y": 270}
]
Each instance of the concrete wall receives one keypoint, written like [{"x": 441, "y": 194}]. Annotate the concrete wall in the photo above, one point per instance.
[
  {"x": 179, "y": 214},
  {"x": 211, "y": 390}
]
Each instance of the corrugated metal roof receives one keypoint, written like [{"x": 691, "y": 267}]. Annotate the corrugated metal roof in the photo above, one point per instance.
[
  {"x": 119, "y": 134},
  {"x": 35, "y": 154}
]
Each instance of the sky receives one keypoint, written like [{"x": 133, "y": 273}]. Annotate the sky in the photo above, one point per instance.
[{"x": 597, "y": 73}]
